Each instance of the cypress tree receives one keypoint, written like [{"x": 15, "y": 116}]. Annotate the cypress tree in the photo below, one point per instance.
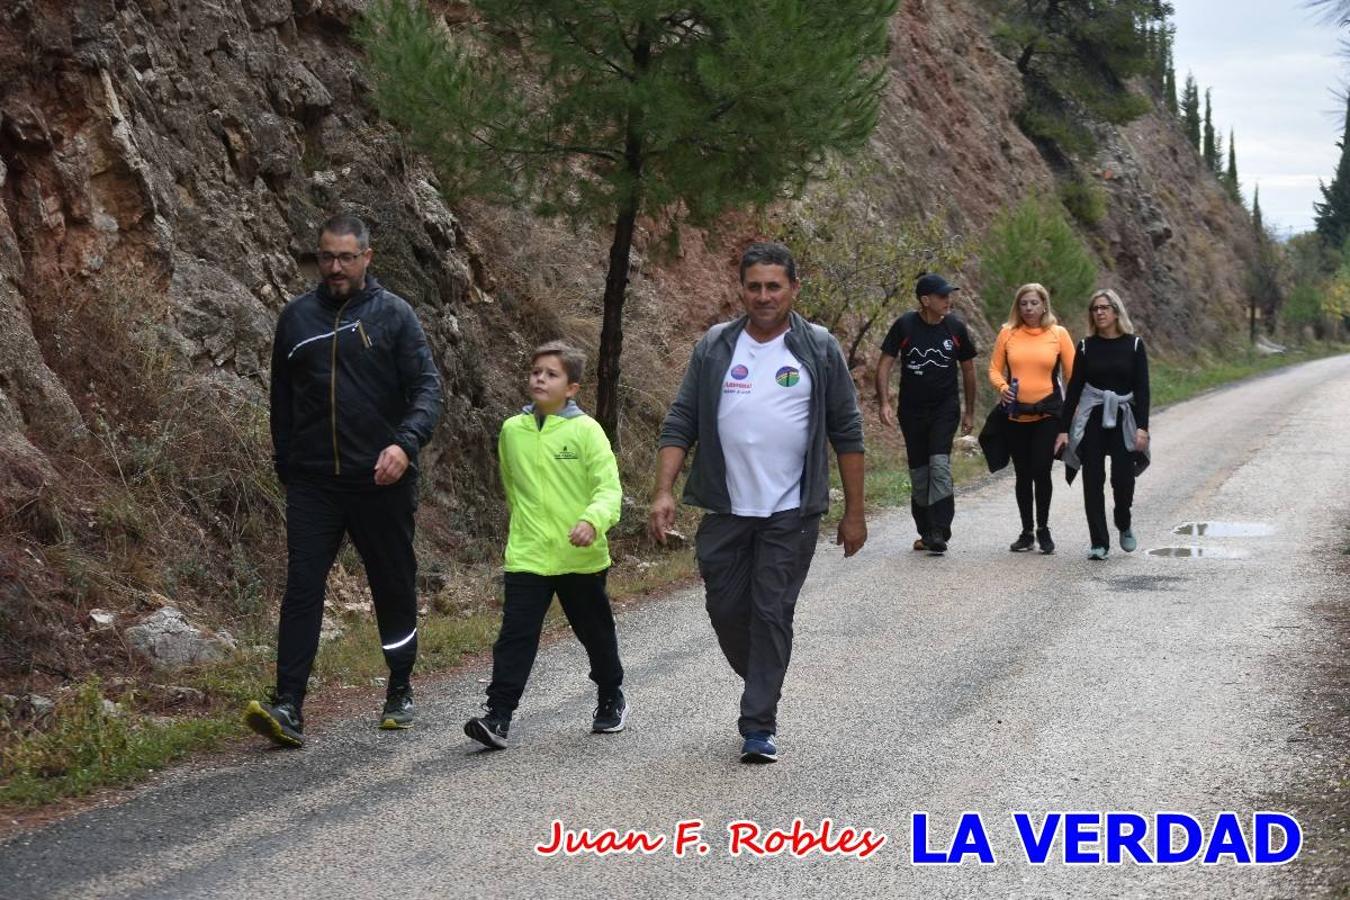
[
  {"x": 1209, "y": 149},
  {"x": 1230, "y": 175},
  {"x": 1190, "y": 111},
  {"x": 1256, "y": 214},
  {"x": 1170, "y": 83},
  {"x": 606, "y": 113},
  {"x": 1333, "y": 213}
]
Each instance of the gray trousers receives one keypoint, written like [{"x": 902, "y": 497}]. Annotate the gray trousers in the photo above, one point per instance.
[{"x": 753, "y": 568}]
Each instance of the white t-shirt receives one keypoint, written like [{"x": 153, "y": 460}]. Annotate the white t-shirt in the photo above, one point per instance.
[{"x": 762, "y": 423}]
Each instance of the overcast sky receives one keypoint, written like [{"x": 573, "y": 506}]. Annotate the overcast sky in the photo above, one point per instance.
[{"x": 1275, "y": 72}]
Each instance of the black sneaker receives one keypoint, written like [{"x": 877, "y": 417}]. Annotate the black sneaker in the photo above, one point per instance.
[
  {"x": 398, "y": 708},
  {"x": 936, "y": 545},
  {"x": 279, "y": 721},
  {"x": 489, "y": 730},
  {"x": 610, "y": 714},
  {"x": 1023, "y": 543},
  {"x": 1043, "y": 538}
]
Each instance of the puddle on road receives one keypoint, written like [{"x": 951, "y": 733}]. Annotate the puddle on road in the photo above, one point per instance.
[
  {"x": 1224, "y": 529},
  {"x": 1196, "y": 552}
]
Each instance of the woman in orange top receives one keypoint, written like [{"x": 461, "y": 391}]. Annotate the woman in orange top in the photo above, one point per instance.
[{"x": 1038, "y": 352}]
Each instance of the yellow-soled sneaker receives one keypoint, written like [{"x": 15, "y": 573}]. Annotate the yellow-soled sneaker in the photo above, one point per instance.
[
  {"x": 398, "y": 708},
  {"x": 279, "y": 721}
]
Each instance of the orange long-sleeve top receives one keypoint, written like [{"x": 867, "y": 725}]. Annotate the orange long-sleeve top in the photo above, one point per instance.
[{"x": 1031, "y": 355}]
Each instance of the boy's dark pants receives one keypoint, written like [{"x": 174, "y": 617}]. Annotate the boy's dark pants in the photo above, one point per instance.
[
  {"x": 753, "y": 569},
  {"x": 380, "y": 523},
  {"x": 586, "y": 605}
]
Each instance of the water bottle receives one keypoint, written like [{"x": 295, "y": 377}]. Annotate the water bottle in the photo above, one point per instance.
[{"x": 1012, "y": 404}]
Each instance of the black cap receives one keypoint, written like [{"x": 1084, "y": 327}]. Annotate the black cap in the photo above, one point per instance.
[{"x": 933, "y": 284}]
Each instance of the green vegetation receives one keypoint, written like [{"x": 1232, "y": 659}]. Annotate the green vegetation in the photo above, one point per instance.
[
  {"x": 857, "y": 268},
  {"x": 91, "y": 744},
  {"x": 1084, "y": 200},
  {"x": 1034, "y": 242},
  {"x": 1076, "y": 58},
  {"x": 606, "y": 112},
  {"x": 1172, "y": 382}
]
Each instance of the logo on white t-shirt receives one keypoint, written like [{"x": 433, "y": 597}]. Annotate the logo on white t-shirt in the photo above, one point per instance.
[{"x": 788, "y": 376}]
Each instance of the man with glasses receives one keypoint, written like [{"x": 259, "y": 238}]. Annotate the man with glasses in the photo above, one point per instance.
[{"x": 355, "y": 395}]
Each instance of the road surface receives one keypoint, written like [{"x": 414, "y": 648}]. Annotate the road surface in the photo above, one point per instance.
[{"x": 982, "y": 681}]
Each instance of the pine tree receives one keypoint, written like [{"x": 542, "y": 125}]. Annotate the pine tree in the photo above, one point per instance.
[
  {"x": 1190, "y": 111},
  {"x": 607, "y": 112},
  {"x": 1333, "y": 213},
  {"x": 1230, "y": 174},
  {"x": 1209, "y": 150}
]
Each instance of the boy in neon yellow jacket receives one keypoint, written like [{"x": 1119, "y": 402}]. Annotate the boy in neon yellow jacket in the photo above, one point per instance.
[{"x": 562, "y": 488}]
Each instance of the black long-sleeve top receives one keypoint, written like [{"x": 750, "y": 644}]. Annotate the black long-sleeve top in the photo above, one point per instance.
[
  {"x": 1117, "y": 364},
  {"x": 350, "y": 377}
]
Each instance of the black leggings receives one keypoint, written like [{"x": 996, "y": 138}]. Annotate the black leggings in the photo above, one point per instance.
[
  {"x": 1032, "y": 447},
  {"x": 1097, "y": 444}
]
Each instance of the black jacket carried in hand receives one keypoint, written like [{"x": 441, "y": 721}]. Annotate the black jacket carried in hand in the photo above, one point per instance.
[{"x": 350, "y": 377}]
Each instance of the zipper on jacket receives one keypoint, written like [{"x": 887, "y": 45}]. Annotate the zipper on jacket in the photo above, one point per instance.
[
  {"x": 364, "y": 336},
  {"x": 332, "y": 389}
]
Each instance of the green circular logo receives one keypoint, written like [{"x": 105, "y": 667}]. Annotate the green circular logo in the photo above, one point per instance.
[{"x": 787, "y": 376}]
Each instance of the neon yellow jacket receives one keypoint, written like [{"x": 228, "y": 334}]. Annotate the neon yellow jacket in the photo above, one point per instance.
[{"x": 554, "y": 477}]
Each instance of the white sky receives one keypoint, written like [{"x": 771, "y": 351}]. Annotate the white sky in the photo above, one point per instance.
[{"x": 1274, "y": 70}]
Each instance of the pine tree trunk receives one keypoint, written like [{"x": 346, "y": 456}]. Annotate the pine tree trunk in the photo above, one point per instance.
[
  {"x": 611, "y": 332},
  {"x": 616, "y": 279}
]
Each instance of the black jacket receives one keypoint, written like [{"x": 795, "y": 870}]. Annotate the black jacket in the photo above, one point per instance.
[{"x": 349, "y": 378}]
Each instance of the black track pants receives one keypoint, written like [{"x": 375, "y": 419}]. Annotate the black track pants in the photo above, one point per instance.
[{"x": 380, "y": 524}]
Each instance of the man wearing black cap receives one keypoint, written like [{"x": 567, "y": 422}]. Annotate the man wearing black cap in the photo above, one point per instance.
[{"x": 933, "y": 342}]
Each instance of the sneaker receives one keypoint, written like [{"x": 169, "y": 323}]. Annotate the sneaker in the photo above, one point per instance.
[
  {"x": 398, "y": 708},
  {"x": 611, "y": 713},
  {"x": 759, "y": 747},
  {"x": 1043, "y": 538},
  {"x": 919, "y": 544},
  {"x": 1127, "y": 540},
  {"x": 1097, "y": 553},
  {"x": 279, "y": 721},
  {"x": 936, "y": 545},
  {"x": 1023, "y": 543},
  {"x": 489, "y": 730}
]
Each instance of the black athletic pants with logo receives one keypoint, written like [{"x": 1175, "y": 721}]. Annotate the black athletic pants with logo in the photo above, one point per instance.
[
  {"x": 380, "y": 525},
  {"x": 929, "y": 432},
  {"x": 1098, "y": 443},
  {"x": 753, "y": 569},
  {"x": 586, "y": 605}
]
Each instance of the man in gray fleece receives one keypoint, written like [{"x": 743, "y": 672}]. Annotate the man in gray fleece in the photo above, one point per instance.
[{"x": 761, "y": 397}]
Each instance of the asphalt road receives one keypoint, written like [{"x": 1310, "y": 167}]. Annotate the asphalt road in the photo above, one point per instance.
[{"x": 983, "y": 681}]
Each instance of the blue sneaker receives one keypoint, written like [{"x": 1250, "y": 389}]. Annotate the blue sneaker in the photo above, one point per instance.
[
  {"x": 1097, "y": 553},
  {"x": 1128, "y": 541},
  {"x": 759, "y": 747}
]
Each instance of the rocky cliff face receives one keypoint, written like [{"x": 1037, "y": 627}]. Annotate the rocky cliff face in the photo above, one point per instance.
[{"x": 163, "y": 169}]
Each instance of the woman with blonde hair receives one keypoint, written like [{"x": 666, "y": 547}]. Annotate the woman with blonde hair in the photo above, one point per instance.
[
  {"x": 1032, "y": 359},
  {"x": 1106, "y": 414}
]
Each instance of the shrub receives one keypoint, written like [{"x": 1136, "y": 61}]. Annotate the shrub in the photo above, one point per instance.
[{"x": 1034, "y": 242}]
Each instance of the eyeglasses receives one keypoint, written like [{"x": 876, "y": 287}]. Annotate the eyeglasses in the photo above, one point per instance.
[
  {"x": 345, "y": 258},
  {"x": 1098, "y": 309}
]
